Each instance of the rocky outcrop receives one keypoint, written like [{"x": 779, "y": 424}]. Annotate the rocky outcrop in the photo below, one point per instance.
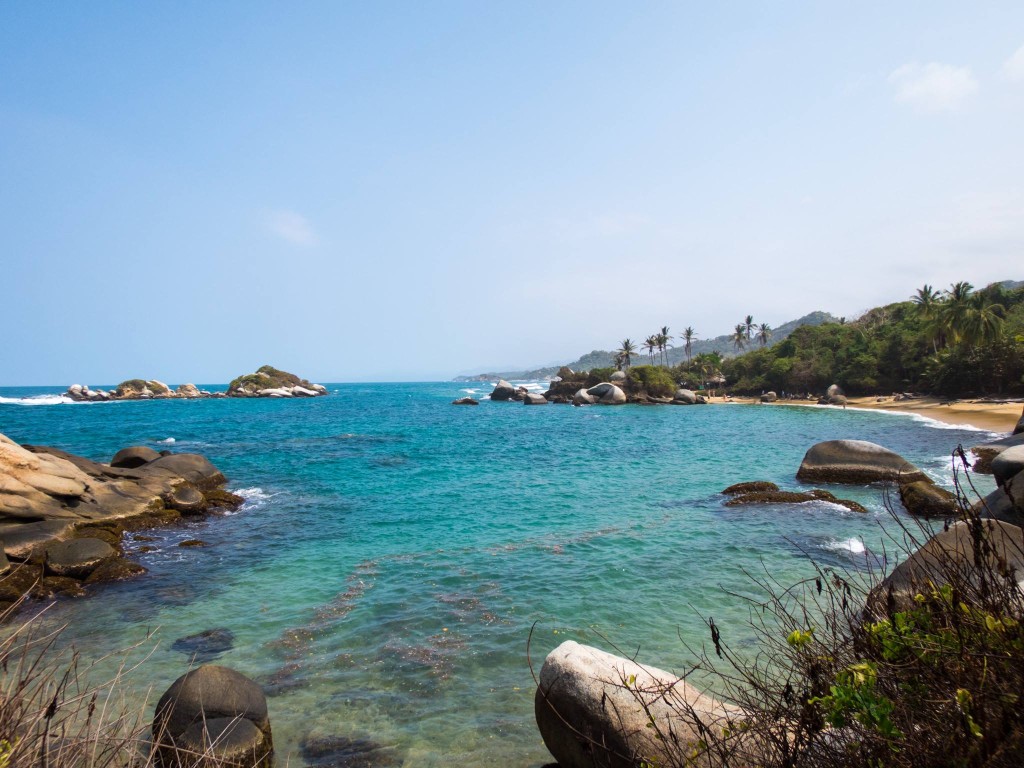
[
  {"x": 596, "y": 709},
  {"x": 504, "y": 391},
  {"x": 955, "y": 552},
  {"x": 213, "y": 709},
  {"x": 63, "y": 515},
  {"x": 925, "y": 499},
  {"x": 465, "y": 401},
  {"x": 769, "y": 397},
  {"x": 752, "y": 486},
  {"x": 855, "y": 461},
  {"x": 265, "y": 382},
  {"x": 534, "y": 399},
  {"x": 685, "y": 396},
  {"x": 607, "y": 393},
  {"x": 986, "y": 452},
  {"x": 268, "y": 381},
  {"x": 582, "y": 397},
  {"x": 1007, "y": 464}
]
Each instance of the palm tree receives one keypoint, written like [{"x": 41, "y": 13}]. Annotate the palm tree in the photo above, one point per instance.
[
  {"x": 982, "y": 321},
  {"x": 688, "y": 336},
  {"x": 739, "y": 336},
  {"x": 748, "y": 323},
  {"x": 626, "y": 351},
  {"x": 764, "y": 332},
  {"x": 663, "y": 344},
  {"x": 955, "y": 307},
  {"x": 651, "y": 344},
  {"x": 928, "y": 304}
]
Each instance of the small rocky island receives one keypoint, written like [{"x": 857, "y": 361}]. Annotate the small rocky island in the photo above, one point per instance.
[
  {"x": 63, "y": 517},
  {"x": 267, "y": 381}
]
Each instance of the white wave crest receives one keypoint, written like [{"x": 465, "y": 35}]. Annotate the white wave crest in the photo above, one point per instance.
[
  {"x": 39, "y": 400},
  {"x": 930, "y": 422},
  {"x": 852, "y": 545},
  {"x": 167, "y": 440},
  {"x": 469, "y": 391},
  {"x": 254, "y": 499}
]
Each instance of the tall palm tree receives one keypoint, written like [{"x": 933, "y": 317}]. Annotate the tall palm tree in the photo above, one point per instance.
[
  {"x": 650, "y": 344},
  {"x": 928, "y": 303},
  {"x": 663, "y": 344},
  {"x": 955, "y": 307},
  {"x": 688, "y": 336},
  {"x": 739, "y": 336},
  {"x": 764, "y": 332},
  {"x": 982, "y": 321},
  {"x": 748, "y": 323},
  {"x": 626, "y": 351}
]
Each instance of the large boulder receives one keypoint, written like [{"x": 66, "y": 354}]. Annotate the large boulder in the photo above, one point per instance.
[
  {"x": 855, "y": 461},
  {"x": 834, "y": 391},
  {"x": 924, "y": 498},
  {"x": 191, "y": 466},
  {"x": 954, "y": 554},
  {"x": 186, "y": 498},
  {"x": 596, "y": 709},
  {"x": 1007, "y": 464},
  {"x": 532, "y": 398},
  {"x": 618, "y": 377},
  {"x": 135, "y": 456},
  {"x": 503, "y": 391},
  {"x": 1005, "y": 503},
  {"x": 209, "y": 698},
  {"x": 986, "y": 452},
  {"x": 687, "y": 396},
  {"x": 769, "y": 397},
  {"x": 77, "y": 558},
  {"x": 188, "y": 390},
  {"x": 582, "y": 397},
  {"x": 607, "y": 393}
]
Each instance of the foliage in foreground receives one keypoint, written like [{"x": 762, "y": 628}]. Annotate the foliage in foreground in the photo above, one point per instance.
[{"x": 843, "y": 680}]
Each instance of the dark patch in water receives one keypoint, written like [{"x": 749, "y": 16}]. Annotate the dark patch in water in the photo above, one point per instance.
[
  {"x": 205, "y": 646},
  {"x": 389, "y": 461},
  {"x": 343, "y": 752}
]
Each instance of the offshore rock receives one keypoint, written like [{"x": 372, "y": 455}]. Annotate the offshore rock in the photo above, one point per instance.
[
  {"x": 268, "y": 381},
  {"x": 465, "y": 401},
  {"x": 534, "y": 399},
  {"x": 855, "y": 461},
  {"x": 503, "y": 391},
  {"x": 590, "y": 707},
  {"x": 924, "y": 498}
]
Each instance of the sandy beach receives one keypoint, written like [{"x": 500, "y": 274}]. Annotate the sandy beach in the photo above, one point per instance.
[{"x": 981, "y": 414}]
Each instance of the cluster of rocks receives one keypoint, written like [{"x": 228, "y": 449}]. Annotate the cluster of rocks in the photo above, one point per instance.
[
  {"x": 833, "y": 396},
  {"x": 764, "y": 492},
  {"x": 62, "y": 517},
  {"x": 570, "y": 387},
  {"x": 265, "y": 382}
]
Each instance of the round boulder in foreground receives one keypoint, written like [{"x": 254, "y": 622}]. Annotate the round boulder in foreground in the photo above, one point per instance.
[
  {"x": 135, "y": 456},
  {"x": 77, "y": 558},
  {"x": 855, "y": 461},
  {"x": 215, "y": 696}
]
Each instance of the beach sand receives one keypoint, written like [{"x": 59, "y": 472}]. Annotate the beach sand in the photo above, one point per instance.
[{"x": 991, "y": 416}]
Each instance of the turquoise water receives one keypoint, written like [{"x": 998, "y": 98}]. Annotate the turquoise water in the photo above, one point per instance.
[{"x": 394, "y": 551}]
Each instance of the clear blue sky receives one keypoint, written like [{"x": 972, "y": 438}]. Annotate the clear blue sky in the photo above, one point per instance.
[{"x": 412, "y": 190}]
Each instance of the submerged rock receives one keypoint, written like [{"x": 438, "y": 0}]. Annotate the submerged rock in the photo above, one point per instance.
[
  {"x": 791, "y": 497},
  {"x": 754, "y": 486},
  {"x": 855, "y": 461},
  {"x": 465, "y": 401},
  {"x": 343, "y": 752},
  {"x": 590, "y": 710},
  {"x": 205, "y": 646}
]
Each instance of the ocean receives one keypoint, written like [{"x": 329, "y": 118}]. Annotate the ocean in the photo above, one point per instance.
[{"x": 396, "y": 554}]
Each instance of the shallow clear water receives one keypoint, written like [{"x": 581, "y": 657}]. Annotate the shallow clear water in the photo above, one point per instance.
[{"x": 394, "y": 551}]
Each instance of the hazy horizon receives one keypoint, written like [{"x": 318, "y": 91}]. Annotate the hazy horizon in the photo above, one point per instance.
[{"x": 409, "y": 193}]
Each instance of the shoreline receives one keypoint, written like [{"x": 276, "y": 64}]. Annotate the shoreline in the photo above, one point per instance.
[{"x": 981, "y": 415}]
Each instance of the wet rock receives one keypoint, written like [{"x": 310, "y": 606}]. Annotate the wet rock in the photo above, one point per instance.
[
  {"x": 111, "y": 535},
  {"x": 205, "y": 646},
  {"x": 207, "y": 694},
  {"x": 465, "y": 401},
  {"x": 986, "y": 452},
  {"x": 925, "y": 498},
  {"x": 754, "y": 486},
  {"x": 135, "y": 456},
  {"x": 193, "y": 543},
  {"x": 791, "y": 497},
  {"x": 57, "y": 586},
  {"x": 344, "y": 752},
  {"x": 77, "y": 558},
  {"x": 221, "y": 499},
  {"x": 855, "y": 461},
  {"x": 114, "y": 569},
  {"x": 534, "y": 399},
  {"x": 187, "y": 499}
]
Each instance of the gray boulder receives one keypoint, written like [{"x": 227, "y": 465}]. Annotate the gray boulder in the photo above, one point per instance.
[
  {"x": 582, "y": 397},
  {"x": 135, "y": 456},
  {"x": 503, "y": 391},
  {"x": 590, "y": 709},
  {"x": 1007, "y": 464},
  {"x": 531, "y": 398},
  {"x": 465, "y": 401},
  {"x": 77, "y": 558},
  {"x": 837, "y": 400},
  {"x": 1005, "y": 504},
  {"x": 191, "y": 466},
  {"x": 187, "y": 499},
  {"x": 606, "y": 393},
  {"x": 834, "y": 391},
  {"x": 950, "y": 552},
  {"x": 924, "y": 498},
  {"x": 1019, "y": 429},
  {"x": 687, "y": 396},
  {"x": 618, "y": 377},
  {"x": 855, "y": 461},
  {"x": 769, "y": 397},
  {"x": 214, "y": 696}
]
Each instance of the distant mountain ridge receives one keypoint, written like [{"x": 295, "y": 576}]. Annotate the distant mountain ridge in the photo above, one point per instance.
[{"x": 600, "y": 358}]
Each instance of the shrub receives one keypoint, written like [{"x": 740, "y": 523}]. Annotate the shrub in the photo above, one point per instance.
[
  {"x": 597, "y": 375},
  {"x": 655, "y": 380}
]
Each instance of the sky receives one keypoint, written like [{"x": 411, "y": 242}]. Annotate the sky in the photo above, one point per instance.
[{"x": 410, "y": 191}]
